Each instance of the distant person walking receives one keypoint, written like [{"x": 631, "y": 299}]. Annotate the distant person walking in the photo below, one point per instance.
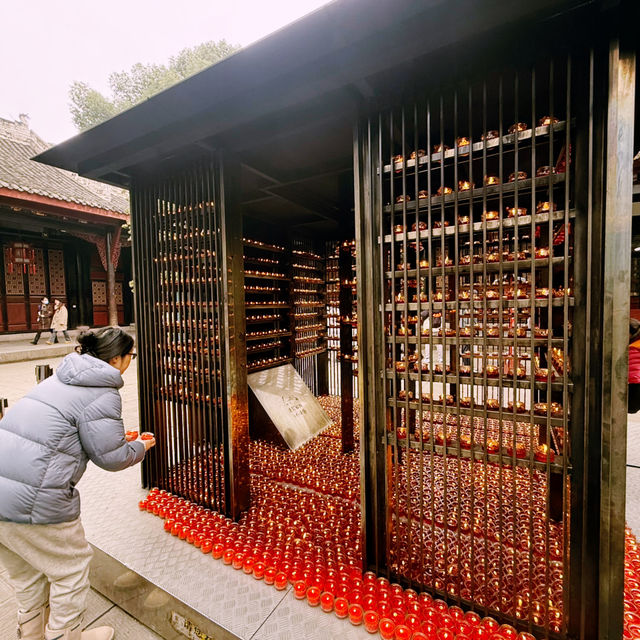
[
  {"x": 59, "y": 321},
  {"x": 44, "y": 318}
]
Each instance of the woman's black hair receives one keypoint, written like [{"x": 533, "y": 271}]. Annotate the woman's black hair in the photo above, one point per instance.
[{"x": 105, "y": 343}]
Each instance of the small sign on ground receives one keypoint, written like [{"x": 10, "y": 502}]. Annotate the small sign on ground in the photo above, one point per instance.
[{"x": 292, "y": 408}]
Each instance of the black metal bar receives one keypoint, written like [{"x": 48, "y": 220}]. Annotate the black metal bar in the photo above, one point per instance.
[
  {"x": 616, "y": 270},
  {"x": 237, "y": 450},
  {"x": 346, "y": 348}
]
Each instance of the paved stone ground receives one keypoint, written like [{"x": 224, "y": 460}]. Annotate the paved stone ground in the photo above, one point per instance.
[{"x": 15, "y": 380}]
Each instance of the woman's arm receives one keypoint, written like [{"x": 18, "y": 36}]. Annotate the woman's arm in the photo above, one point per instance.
[{"x": 102, "y": 434}]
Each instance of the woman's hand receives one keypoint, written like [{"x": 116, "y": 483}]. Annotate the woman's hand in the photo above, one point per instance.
[
  {"x": 148, "y": 440},
  {"x": 148, "y": 443}
]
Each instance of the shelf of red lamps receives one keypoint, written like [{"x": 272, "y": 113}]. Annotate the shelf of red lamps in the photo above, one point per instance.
[
  {"x": 310, "y": 352},
  {"x": 479, "y": 411},
  {"x": 266, "y": 364},
  {"x": 480, "y": 267},
  {"x": 262, "y": 319},
  {"x": 308, "y": 255},
  {"x": 477, "y": 452},
  {"x": 506, "y": 341},
  {"x": 261, "y": 335},
  {"x": 264, "y": 275},
  {"x": 479, "y": 194},
  {"x": 522, "y": 222},
  {"x": 480, "y": 380},
  {"x": 545, "y": 126},
  {"x": 267, "y": 346},
  {"x": 504, "y": 303},
  {"x": 267, "y": 305},
  {"x": 263, "y": 245}
]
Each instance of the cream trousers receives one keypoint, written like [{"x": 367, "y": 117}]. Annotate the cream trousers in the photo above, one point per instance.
[{"x": 48, "y": 562}]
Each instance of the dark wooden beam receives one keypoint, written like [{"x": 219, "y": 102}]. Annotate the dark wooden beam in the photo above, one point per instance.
[{"x": 300, "y": 196}]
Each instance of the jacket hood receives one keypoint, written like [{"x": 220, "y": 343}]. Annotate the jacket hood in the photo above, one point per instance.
[{"x": 86, "y": 371}]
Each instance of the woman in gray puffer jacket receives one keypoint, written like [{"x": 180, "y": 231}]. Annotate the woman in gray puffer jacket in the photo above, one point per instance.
[{"x": 46, "y": 440}]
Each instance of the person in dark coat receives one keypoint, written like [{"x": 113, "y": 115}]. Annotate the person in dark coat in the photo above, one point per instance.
[
  {"x": 46, "y": 440},
  {"x": 634, "y": 366},
  {"x": 44, "y": 319}
]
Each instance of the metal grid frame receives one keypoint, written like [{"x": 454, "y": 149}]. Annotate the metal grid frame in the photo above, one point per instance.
[
  {"x": 567, "y": 86},
  {"x": 190, "y": 319},
  {"x": 308, "y": 313}
]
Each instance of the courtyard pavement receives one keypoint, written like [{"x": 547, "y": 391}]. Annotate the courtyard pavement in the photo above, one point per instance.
[{"x": 17, "y": 378}]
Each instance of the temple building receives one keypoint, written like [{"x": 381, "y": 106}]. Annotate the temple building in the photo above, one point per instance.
[{"x": 60, "y": 234}]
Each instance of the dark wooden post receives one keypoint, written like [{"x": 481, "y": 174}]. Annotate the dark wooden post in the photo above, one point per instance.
[
  {"x": 346, "y": 347},
  {"x": 616, "y": 239},
  {"x": 112, "y": 307},
  {"x": 235, "y": 339}
]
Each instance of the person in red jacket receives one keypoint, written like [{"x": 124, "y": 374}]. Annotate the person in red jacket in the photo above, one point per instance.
[{"x": 634, "y": 365}]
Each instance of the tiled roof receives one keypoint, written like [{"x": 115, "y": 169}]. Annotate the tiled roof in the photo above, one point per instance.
[{"x": 18, "y": 144}]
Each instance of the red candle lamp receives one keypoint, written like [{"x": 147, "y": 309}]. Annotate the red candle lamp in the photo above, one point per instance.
[
  {"x": 402, "y": 632},
  {"x": 259, "y": 569},
  {"x": 270, "y": 575},
  {"x": 280, "y": 582},
  {"x": 544, "y": 453},
  {"x": 206, "y": 546},
  {"x": 313, "y": 596},
  {"x": 299, "y": 589},
  {"x": 238, "y": 560},
  {"x": 356, "y": 614},
  {"x": 326, "y": 601},
  {"x": 247, "y": 564},
  {"x": 341, "y": 607},
  {"x": 371, "y": 621},
  {"x": 387, "y": 629}
]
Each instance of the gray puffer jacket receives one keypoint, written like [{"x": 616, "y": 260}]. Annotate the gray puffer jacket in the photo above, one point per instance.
[{"x": 48, "y": 436}]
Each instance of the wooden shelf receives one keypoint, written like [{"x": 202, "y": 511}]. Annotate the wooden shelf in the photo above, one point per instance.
[
  {"x": 479, "y": 380},
  {"x": 477, "y": 412},
  {"x": 488, "y": 267},
  {"x": 476, "y": 453},
  {"x": 272, "y": 334},
  {"x": 478, "y": 304},
  {"x": 478, "y": 147},
  {"x": 521, "y": 222}
]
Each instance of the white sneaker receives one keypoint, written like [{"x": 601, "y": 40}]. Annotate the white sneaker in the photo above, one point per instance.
[
  {"x": 31, "y": 624},
  {"x": 76, "y": 633},
  {"x": 99, "y": 633}
]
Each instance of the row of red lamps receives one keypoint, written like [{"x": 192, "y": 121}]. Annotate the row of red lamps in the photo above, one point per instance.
[
  {"x": 312, "y": 541},
  {"x": 365, "y": 599}
]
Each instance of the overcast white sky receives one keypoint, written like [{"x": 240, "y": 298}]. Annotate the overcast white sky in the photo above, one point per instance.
[{"x": 47, "y": 45}]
